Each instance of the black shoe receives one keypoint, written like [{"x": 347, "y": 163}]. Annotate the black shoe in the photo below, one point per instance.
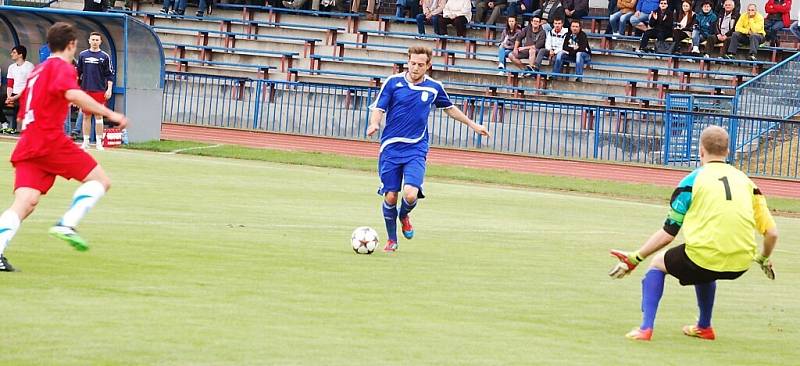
[
  {"x": 199, "y": 14},
  {"x": 578, "y": 80},
  {"x": 163, "y": 11},
  {"x": 5, "y": 266},
  {"x": 752, "y": 58}
]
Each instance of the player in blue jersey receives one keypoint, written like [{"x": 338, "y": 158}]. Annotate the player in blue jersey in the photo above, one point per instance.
[{"x": 406, "y": 100}]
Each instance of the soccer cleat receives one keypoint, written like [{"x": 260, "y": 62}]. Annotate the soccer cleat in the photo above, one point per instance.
[
  {"x": 695, "y": 331},
  {"x": 391, "y": 247},
  {"x": 69, "y": 235},
  {"x": 408, "y": 230},
  {"x": 640, "y": 334},
  {"x": 5, "y": 266}
]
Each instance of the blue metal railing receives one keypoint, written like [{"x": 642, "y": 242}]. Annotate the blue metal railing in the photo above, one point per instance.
[{"x": 517, "y": 126}]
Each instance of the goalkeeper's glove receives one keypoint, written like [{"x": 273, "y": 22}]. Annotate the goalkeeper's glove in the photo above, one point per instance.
[
  {"x": 627, "y": 263},
  {"x": 766, "y": 266}
]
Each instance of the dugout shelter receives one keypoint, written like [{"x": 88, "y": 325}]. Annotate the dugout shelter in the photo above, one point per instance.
[{"x": 135, "y": 50}]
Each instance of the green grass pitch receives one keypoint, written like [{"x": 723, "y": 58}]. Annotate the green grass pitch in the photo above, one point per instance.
[{"x": 208, "y": 261}]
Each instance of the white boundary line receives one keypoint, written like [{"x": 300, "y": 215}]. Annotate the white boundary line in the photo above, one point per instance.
[{"x": 173, "y": 152}]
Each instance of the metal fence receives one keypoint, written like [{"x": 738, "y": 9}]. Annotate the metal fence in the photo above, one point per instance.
[{"x": 517, "y": 126}]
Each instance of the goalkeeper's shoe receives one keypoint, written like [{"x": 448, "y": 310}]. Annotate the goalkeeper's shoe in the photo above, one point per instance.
[
  {"x": 391, "y": 247},
  {"x": 638, "y": 334},
  {"x": 408, "y": 230},
  {"x": 69, "y": 235},
  {"x": 695, "y": 331},
  {"x": 5, "y": 266}
]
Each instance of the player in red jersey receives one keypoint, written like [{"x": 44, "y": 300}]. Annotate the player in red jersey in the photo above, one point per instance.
[{"x": 44, "y": 151}]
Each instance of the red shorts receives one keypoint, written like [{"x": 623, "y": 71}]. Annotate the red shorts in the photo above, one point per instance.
[
  {"x": 98, "y": 96},
  {"x": 40, "y": 172}
]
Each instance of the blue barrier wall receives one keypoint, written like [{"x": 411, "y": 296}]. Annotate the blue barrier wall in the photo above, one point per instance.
[{"x": 517, "y": 126}]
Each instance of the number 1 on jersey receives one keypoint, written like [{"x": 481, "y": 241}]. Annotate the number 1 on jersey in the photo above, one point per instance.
[{"x": 725, "y": 183}]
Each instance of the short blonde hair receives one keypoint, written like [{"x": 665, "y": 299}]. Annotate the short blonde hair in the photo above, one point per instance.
[
  {"x": 714, "y": 140},
  {"x": 420, "y": 50}
]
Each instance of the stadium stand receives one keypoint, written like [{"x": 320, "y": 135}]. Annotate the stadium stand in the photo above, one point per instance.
[{"x": 341, "y": 47}]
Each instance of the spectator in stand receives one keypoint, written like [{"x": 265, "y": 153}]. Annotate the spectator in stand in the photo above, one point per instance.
[
  {"x": 295, "y": 4},
  {"x": 553, "y": 45},
  {"x": 356, "y": 4},
  {"x": 720, "y": 6},
  {"x": 795, "y": 28},
  {"x": 723, "y": 28},
  {"x": 432, "y": 13},
  {"x": 174, "y": 7},
  {"x": 684, "y": 28},
  {"x": 528, "y": 43},
  {"x": 551, "y": 10},
  {"x": 620, "y": 20},
  {"x": 507, "y": 41},
  {"x": 706, "y": 28},
  {"x": 95, "y": 5},
  {"x": 519, "y": 7},
  {"x": 749, "y": 29},
  {"x": 497, "y": 7},
  {"x": 96, "y": 74},
  {"x": 659, "y": 26},
  {"x": 644, "y": 12},
  {"x": 576, "y": 48},
  {"x": 575, "y": 9},
  {"x": 612, "y": 8},
  {"x": 412, "y": 6},
  {"x": 16, "y": 77},
  {"x": 458, "y": 13},
  {"x": 777, "y": 18}
]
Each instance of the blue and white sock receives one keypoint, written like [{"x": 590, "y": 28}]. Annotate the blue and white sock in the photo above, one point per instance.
[
  {"x": 652, "y": 289},
  {"x": 390, "y": 216},
  {"x": 9, "y": 224},
  {"x": 85, "y": 197},
  {"x": 405, "y": 208},
  {"x": 705, "y": 301}
]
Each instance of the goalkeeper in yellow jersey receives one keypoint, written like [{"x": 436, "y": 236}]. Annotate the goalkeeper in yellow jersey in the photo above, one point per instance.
[{"x": 718, "y": 208}]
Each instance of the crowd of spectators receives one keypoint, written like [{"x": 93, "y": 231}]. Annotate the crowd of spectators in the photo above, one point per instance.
[{"x": 536, "y": 30}]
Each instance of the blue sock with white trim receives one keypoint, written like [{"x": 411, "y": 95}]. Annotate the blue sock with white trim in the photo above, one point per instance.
[
  {"x": 705, "y": 301},
  {"x": 405, "y": 208},
  {"x": 652, "y": 289},
  {"x": 85, "y": 197},
  {"x": 390, "y": 216}
]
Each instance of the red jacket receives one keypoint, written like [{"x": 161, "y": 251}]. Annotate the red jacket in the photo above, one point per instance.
[{"x": 783, "y": 9}]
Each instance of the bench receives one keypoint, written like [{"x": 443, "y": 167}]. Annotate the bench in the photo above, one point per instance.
[
  {"x": 374, "y": 79},
  {"x": 441, "y": 41},
  {"x": 207, "y": 51},
  {"x": 309, "y": 44},
  {"x": 183, "y": 64},
  {"x": 273, "y": 13}
]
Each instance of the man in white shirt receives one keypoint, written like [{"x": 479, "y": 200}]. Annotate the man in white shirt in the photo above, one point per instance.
[{"x": 17, "y": 77}]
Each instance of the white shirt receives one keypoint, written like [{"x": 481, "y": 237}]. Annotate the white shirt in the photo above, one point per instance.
[{"x": 20, "y": 76}]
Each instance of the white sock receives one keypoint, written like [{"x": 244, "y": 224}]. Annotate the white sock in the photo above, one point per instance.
[
  {"x": 85, "y": 197},
  {"x": 85, "y": 140},
  {"x": 98, "y": 135},
  {"x": 9, "y": 224}
]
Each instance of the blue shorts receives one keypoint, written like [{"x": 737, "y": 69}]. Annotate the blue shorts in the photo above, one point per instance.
[{"x": 394, "y": 174}]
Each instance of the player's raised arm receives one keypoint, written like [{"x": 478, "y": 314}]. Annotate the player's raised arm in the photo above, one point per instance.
[
  {"x": 458, "y": 115},
  {"x": 85, "y": 102}
]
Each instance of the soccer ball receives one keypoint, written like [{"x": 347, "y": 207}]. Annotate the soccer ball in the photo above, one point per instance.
[{"x": 364, "y": 240}]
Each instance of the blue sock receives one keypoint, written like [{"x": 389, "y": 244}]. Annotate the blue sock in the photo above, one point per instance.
[
  {"x": 405, "y": 207},
  {"x": 652, "y": 289},
  {"x": 705, "y": 301},
  {"x": 390, "y": 216}
]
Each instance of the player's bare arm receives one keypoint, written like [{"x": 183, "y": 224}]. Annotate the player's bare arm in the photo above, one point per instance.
[
  {"x": 458, "y": 115},
  {"x": 375, "y": 121},
  {"x": 84, "y": 101}
]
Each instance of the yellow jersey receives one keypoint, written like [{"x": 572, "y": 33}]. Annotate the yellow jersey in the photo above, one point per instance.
[{"x": 719, "y": 208}]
